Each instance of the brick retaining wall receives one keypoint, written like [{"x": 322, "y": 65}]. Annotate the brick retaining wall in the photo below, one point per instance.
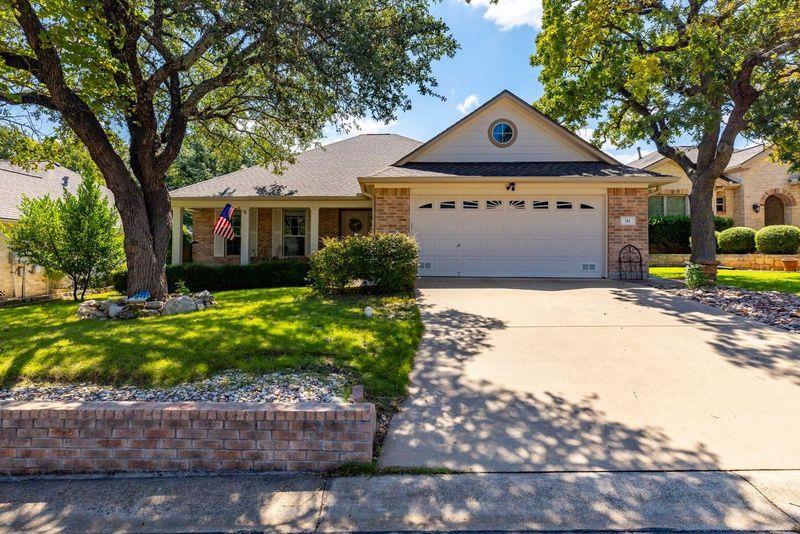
[
  {"x": 94, "y": 437},
  {"x": 757, "y": 262}
]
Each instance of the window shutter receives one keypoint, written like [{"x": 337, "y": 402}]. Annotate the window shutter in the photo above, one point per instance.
[
  {"x": 308, "y": 233},
  {"x": 277, "y": 232},
  {"x": 219, "y": 243},
  {"x": 253, "y": 232}
]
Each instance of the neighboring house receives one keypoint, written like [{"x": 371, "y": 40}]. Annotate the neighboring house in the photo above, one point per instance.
[
  {"x": 19, "y": 279},
  {"x": 505, "y": 191},
  {"x": 755, "y": 191}
]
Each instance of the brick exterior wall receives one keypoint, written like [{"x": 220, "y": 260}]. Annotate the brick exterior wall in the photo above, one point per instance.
[
  {"x": 203, "y": 228},
  {"x": 101, "y": 437},
  {"x": 756, "y": 262},
  {"x": 392, "y": 211},
  {"x": 622, "y": 202},
  {"x": 328, "y": 223}
]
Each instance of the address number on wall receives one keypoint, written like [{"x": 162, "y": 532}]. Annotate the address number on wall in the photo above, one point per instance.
[{"x": 627, "y": 220}]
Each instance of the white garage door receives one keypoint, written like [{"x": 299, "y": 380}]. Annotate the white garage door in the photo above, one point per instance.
[{"x": 548, "y": 235}]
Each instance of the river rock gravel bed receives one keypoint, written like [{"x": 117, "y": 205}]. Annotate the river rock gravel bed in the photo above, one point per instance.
[
  {"x": 231, "y": 386},
  {"x": 770, "y": 307}
]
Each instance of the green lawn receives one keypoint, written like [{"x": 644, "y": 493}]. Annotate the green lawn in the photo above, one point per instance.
[
  {"x": 251, "y": 330},
  {"x": 755, "y": 280}
]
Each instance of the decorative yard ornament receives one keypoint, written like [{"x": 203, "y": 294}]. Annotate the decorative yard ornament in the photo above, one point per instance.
[{"x": 368, "y": 311}]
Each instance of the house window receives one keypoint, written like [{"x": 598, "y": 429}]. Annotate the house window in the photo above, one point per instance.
[
  {"x": 659, "y": 205},
  {"x": 720, "y": 204},
  {"x": 233, "y": 247},
  {"x": 294, "y": 233},
  {"x": 502, "y": 133}
]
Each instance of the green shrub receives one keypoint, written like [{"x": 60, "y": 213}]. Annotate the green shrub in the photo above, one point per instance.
[
  {"x": 722, "y": 223},
  {"x": 381, "y": 262},
  {"x": 290, "y": 272},
  {"x": 671, "y": 234},
  {"x": 737, "y": 240},
  {"x": 778, "y": 239},
  {"x": 695, "y": 277}
]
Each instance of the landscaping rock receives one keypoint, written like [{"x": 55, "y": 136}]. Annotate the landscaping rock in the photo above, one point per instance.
[
  {"x": 770, "y": 307},
  {"x": 182, "y": 304},
  {"x": 129, "y": 309},
  {"x": 231, "y": 386}
]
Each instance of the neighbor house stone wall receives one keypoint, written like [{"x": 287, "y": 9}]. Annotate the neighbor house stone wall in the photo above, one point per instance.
[
  {"x": 35, "y": 284},
  {"x": 626, "y": 202},
  {"x": 756, "y": 262},
  {"x": 759, "y": 178},
  {"x": 392, "y": 211},
  {"x": 102, "y": 437}
]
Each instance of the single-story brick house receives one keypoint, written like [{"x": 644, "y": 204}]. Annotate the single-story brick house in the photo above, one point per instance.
[
  {"x": 505, "y": 191},
  {"x": 755, "y": 190}
]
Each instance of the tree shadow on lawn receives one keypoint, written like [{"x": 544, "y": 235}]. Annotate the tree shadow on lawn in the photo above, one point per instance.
[
  {"x": 256, "y": 331},
  {"x": 743, "y": 342}
]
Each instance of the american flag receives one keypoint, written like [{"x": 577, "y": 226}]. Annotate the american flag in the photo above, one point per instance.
[{"x": 224, "y": 228}]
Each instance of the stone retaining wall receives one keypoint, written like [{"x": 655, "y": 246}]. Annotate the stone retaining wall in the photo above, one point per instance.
[
  {"x": 757, "y": 262},
  {"x": 102, "y": 437}
]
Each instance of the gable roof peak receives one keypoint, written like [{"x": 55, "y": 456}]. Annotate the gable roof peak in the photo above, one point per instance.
[{"x": 529, "y": 108}]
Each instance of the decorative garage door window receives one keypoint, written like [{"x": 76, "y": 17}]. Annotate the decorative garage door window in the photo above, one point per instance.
[
  {"x": 563, "y": 205},
  {"x": 541, "y": 204},
  {"x": 469, "y": 204},
  {"x": 426, "y": 206},
  {"x": 586, "y": 206},
  {"x": 494, "y": 204},
  {"x": 517, "y": 204},
  {"x": 447, "y": 205}
]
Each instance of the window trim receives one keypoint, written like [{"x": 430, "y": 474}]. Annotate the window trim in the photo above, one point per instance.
[
  {"x": 513, "y": 133},
  {"x": 284, "y": 235}
]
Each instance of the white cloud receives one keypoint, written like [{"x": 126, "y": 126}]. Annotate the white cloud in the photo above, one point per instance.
[
  {"x": 469, "y": 103},
  {"x": 508, "y": 14}
]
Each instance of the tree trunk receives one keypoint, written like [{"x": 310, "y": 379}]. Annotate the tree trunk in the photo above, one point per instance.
[{"x": 704, "y": 243}]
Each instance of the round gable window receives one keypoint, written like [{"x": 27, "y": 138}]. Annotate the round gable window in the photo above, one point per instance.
[{"x": 502, "y": 133}]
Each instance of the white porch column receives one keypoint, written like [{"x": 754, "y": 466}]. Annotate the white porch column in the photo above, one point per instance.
[
  {"x": 245, "y": 236},
  {"x": 314, "y": 227},
  {"x": 177, "y": 235}
]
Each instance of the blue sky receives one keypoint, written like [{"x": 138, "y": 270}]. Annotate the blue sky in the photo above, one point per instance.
[{"x": 496, "y": 41}]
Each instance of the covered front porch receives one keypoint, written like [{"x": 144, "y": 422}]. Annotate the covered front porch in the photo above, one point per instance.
[{"x": 266, "y": 229}]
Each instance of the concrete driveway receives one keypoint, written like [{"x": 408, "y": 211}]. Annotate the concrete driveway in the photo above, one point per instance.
[{"x": 565, "y": 375}]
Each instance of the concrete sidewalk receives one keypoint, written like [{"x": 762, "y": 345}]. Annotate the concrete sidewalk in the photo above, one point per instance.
[{"x": 751, "y": 501}]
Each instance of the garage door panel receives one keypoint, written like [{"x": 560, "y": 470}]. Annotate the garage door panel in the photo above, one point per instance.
[{"x": 511, "y": 242}]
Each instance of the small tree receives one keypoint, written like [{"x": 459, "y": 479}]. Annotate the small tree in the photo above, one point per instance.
[{"x": 76, "y": 235}]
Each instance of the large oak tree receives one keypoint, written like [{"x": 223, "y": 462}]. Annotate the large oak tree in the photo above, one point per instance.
[
  {"x": 275, "y": 71},
  {"x": 662, "y": 70}
]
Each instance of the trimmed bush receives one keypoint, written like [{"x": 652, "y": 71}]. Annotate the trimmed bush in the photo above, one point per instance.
[
  {"x": 778, "y": 239},
  {"x": 382, "y": 263},
  {"x": 197, "y": 277},
  {"x": 670, "y": 234},
  {"x": 737, "y": 240}
]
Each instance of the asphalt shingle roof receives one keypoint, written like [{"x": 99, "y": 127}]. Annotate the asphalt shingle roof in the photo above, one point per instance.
[
  {"x": 512, "y": 169},
  {"x": 329, "y": 171},
  {"x": 16, "y": 182},
  {"x": 739, "y": 156}
]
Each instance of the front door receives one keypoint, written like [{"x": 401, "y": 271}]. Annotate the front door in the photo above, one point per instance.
[
  {"x": 773, "y": 211},
  {"x": 355, "y": 222}
]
